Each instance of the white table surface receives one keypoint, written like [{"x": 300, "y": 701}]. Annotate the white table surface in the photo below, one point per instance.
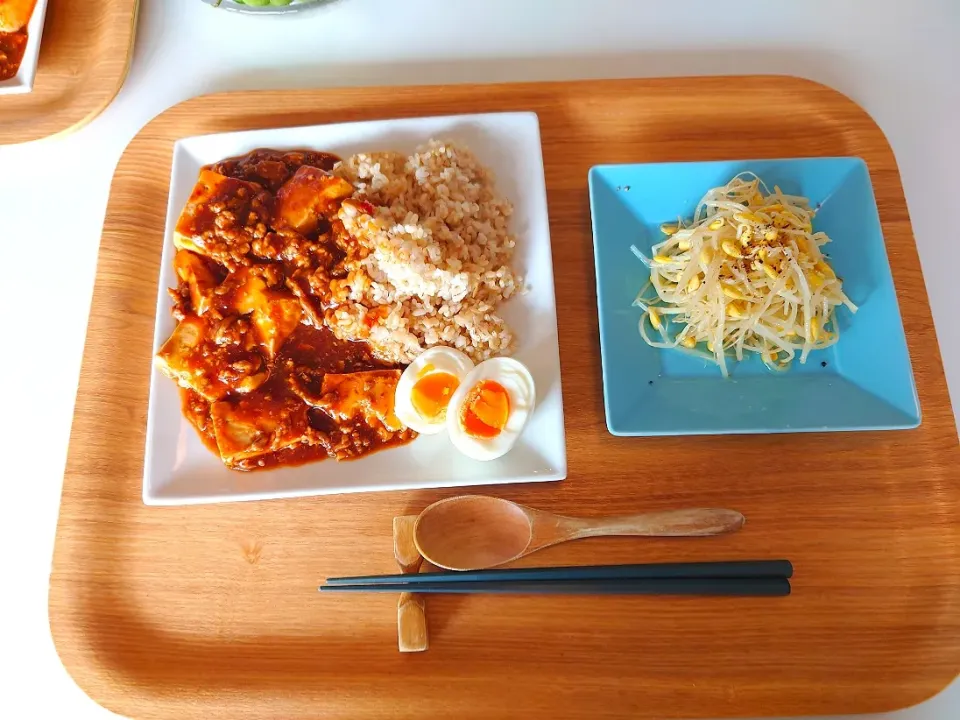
[{"x": 900, "y": 60}]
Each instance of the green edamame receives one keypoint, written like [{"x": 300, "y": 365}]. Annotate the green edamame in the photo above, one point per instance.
[{"x": 263, "y": 3}]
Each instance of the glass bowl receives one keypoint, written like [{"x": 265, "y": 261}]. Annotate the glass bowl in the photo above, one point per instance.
[{"x": 267, "y": 9}]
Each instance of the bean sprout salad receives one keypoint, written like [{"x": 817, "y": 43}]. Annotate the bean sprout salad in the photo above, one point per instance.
[{"x": 747, "y": 275}]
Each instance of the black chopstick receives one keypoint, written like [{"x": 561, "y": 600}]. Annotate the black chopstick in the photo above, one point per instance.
[
  {"x": 730, "y": 587},
  {"x": 729, "y": 569}
]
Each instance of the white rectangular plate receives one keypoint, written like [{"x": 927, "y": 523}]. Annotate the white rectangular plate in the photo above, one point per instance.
[
  {"x": 22, "y": 82},
  {"x": 179, "y": 470}
]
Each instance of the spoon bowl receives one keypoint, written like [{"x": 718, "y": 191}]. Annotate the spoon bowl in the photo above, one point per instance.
[{"x": 473, "y": 532}]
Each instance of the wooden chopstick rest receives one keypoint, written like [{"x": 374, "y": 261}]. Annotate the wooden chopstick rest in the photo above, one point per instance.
[{"x": 411, "y": 610}]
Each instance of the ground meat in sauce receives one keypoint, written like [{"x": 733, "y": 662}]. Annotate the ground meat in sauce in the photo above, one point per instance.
[
  {"x": 244, "y": 241},
  {"x": 224, "y": 218},
  {"x": 271, "y": 168}
]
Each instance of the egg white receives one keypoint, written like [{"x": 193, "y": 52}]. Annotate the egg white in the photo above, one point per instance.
[
  {"x": 517, "y": 381},
  {"x": 443, "y": 359}
]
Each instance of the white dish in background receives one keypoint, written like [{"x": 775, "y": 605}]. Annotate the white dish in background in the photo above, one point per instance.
[
  {"x": 179, "y": 470},
  {"x": 22, "y": 82}
]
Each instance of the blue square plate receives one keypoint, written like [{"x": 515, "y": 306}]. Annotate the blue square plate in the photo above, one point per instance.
[{"x": 863, "y": 382}]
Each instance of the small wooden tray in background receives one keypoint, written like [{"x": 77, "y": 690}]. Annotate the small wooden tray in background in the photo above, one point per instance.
[
  {"x": 85, "y": 52},
  {"x": 195, "y": 612}
]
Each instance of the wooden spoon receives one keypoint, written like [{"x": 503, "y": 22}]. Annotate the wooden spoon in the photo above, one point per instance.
[{"x": 473, "y": 532}]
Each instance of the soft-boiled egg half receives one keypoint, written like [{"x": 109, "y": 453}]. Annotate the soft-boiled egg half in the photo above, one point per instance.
[
  {"x": 427, "y": 386},
  {"x": 490, "y": 408}
]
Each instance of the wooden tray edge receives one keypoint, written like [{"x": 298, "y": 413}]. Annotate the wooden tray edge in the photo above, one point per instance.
[{"x": 117, "y": 84}]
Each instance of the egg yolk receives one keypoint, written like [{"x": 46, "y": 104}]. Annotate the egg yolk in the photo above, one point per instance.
[
  {"x": 485, "y": 410},
  {"x": 431, "y": 394}
]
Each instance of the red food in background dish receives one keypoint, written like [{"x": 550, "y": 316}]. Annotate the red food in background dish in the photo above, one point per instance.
[
  {"x": 14, "y": 16},
  {"x": 12, "y": 47}
]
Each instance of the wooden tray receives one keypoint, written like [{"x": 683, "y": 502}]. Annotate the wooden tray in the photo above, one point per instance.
[
  {"x": 84, "y": 56},
  {"x": 197, "y": 612}
]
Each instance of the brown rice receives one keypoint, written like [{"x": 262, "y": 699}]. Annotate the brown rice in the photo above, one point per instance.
[{"x": 437, "y": 255}]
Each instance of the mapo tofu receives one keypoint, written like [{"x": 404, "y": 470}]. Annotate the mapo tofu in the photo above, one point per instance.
[
  {"x": 223, "y": 218},
  {"x": 264, "y": 382},
  {"x": 368, "y": 396}
]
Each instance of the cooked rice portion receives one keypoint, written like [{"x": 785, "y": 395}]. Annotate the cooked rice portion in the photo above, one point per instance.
[{"x": 434, "y": 261}]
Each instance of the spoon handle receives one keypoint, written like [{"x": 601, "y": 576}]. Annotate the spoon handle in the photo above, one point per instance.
[{"x": 671, "y": 523}]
